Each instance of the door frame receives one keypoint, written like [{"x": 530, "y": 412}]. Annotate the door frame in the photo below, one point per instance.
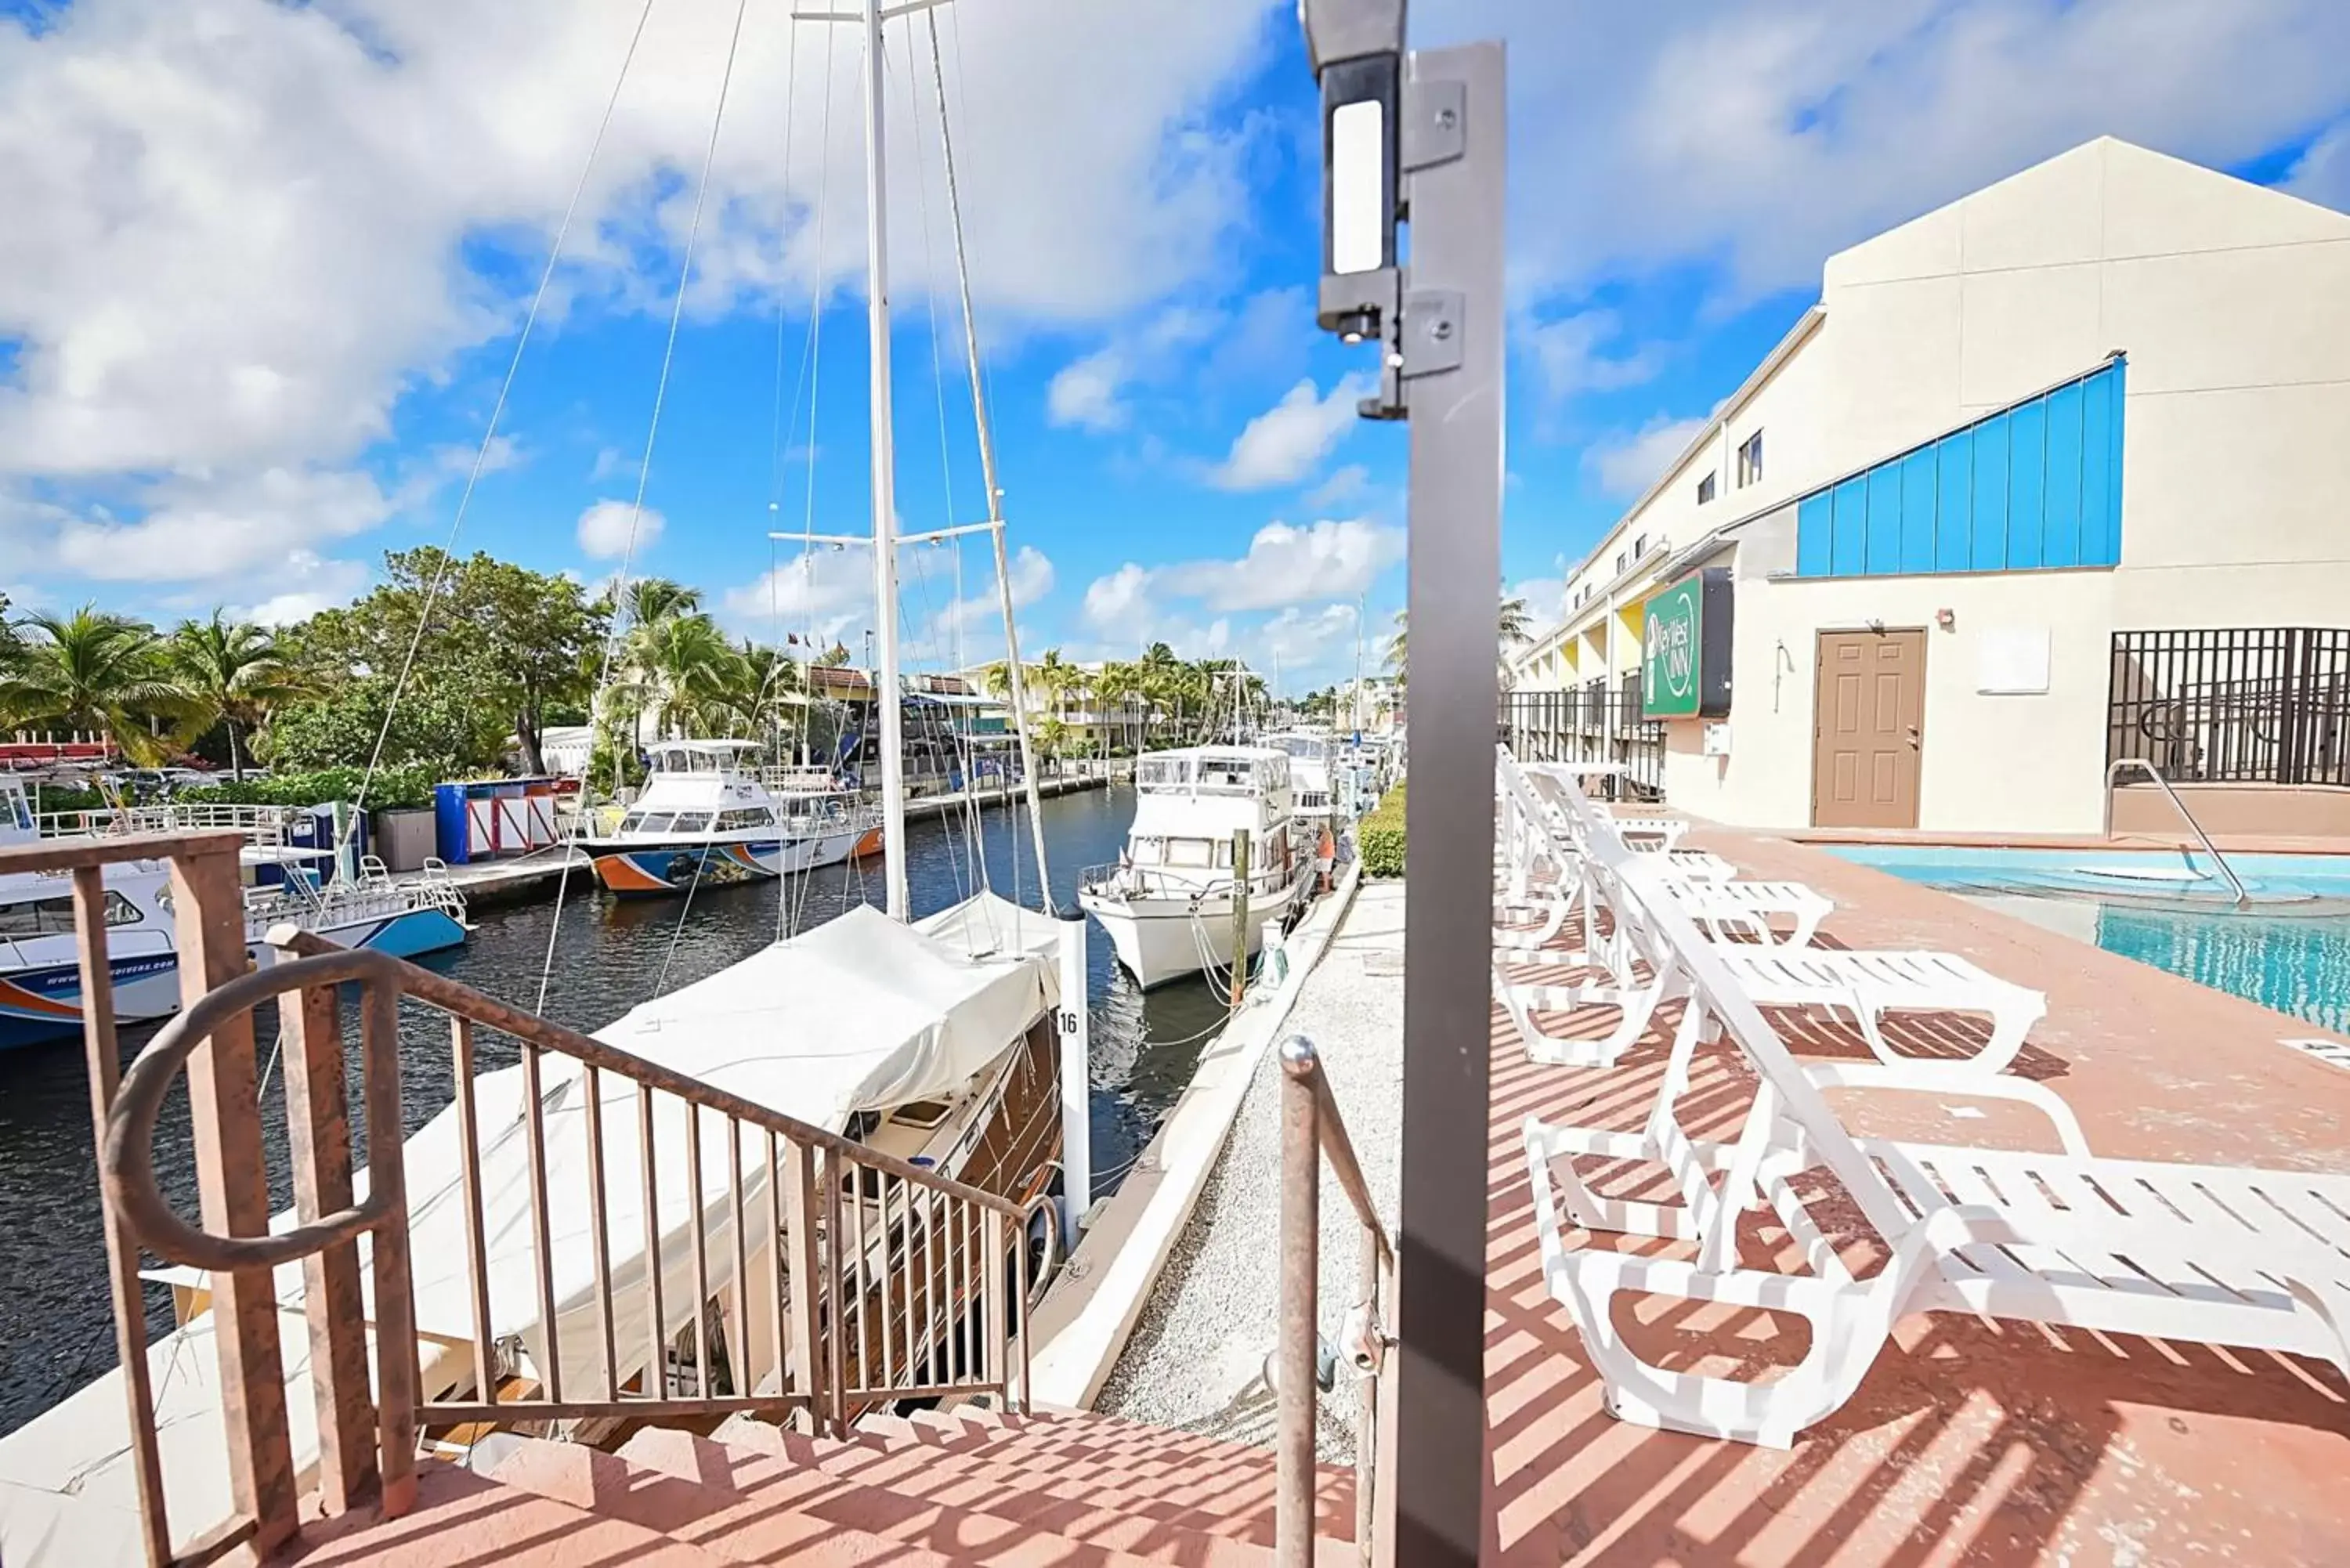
[{"x": 1864, "y": 629}]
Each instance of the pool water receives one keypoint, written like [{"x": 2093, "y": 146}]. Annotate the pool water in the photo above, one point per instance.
[{"x": 2289, "y": 948}]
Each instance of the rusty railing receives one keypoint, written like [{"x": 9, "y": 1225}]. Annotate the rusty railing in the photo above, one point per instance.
[
  {"x": 844, "y": 1278},
  {"x": 1312, "y": 1131}
]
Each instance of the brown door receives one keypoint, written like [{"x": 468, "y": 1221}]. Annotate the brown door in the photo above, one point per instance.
[{"x": 1868, "y": 718}]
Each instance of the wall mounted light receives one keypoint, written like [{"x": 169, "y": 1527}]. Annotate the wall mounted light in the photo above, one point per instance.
[{"x": 1946, "y": 619}]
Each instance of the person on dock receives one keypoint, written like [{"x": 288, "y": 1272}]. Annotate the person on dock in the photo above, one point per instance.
[{"x": 1326, "y": 856}]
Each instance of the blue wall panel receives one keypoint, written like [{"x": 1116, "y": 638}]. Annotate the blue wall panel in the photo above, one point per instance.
[
  {"x": 1953, "y": 536},
  {"x": 1884, "y": 551},
  {"x": 1850, "y": 558},
  {"x": 1988, "y": 546},
  {"x": 2059, "y": 538},
  {"x": 1920, "y": 494},
  {"x": 2036, "y": 484},
  {"x": 2027, "y": 477},
  {"x": 1815, "y": 535}
]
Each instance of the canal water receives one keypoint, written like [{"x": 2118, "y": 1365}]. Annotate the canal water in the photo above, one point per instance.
[{"x": 56, "y": 1329}]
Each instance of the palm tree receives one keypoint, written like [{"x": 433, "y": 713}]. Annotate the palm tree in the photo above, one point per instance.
[
  {"x": 649, "y": 599},
  {"x": 105, "y": 674},
  {"x": 237, "y": 671},
  {"x": 761, "y": 700},
  {"x": 678, "y": 669},
  {"x": 1115, "y": 688},
  {"x": 1511, "y": 629}
]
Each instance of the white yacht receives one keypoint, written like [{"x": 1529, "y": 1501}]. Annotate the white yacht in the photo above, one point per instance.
[
  {"x": 705, "y": 817},
  {"x": 40, "y": 977},
  {"x": 1319, "y": 803},
  {"x": 1168, "y": 903}
]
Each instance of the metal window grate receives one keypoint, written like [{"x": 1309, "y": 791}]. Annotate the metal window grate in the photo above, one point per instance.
[{"x": 2234, "y": 704}]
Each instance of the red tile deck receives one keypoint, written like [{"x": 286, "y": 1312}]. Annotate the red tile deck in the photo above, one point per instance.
[{"x": 1968, "y": 1442}]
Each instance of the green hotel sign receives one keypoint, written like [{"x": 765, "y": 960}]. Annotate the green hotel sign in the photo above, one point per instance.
[{"x": 1685, "y": 649}]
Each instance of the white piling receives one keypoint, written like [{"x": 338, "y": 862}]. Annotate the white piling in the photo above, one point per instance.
[{"x": 1073, "y": 1026}]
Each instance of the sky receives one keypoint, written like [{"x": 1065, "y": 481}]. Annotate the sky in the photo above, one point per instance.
[{"x": 269, "y": 273}]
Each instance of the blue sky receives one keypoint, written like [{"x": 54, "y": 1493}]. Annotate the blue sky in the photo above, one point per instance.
[{"x": 266, "y": 266}]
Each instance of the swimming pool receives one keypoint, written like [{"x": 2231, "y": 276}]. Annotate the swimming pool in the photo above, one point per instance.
[{"x": 2288, "y": 950}]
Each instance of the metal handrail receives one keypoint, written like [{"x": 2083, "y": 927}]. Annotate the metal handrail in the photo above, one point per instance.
[
  {"x": 2113, "y": 775},
  {"x": 1313, "y": 1130},
  {"x": 953, "y": 1255}
]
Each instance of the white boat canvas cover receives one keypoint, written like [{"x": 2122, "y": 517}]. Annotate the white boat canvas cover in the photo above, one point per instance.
[{"x": 860, "y": 1014}]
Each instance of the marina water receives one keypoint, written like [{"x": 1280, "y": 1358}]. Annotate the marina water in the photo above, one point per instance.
[{"x": 607, "y": 956}]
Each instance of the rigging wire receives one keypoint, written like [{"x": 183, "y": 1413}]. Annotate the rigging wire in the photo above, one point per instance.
[
  {"x": 645, "y": 467},
  {"x": 490, "y": 430}
]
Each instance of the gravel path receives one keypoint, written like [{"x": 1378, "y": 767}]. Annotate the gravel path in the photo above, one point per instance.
[{"x": 1197, "y": 1357}]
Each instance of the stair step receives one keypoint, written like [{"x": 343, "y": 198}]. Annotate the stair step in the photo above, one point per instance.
[
  {"x": 710, "y": 1520},
  {"x": 1003, "y": 1483},
  {"x": 462, "y": 1521},
  {"x": 1094, "y": 1516},
  {"x": 740, "y": 1493},
  {"x": 1122, "y": 1453}
]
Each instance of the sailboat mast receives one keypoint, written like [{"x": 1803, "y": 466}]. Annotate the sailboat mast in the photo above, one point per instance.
[{"x": 887, "y": 702}]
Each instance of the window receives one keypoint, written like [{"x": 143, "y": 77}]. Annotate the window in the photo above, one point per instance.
[
  {"x": 1749, "y": 461},
  {"x": 692, "y": 822},
  {"x": 1622, "y": 560},
  {"x": 1639, "y": 547},
  {"x": 654, "y": 822},
  {"x": 54, "y": 917},
  {"x": 1705, "y": 489}
]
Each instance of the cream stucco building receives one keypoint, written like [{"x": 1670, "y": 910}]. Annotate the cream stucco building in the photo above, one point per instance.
[{"x": 2054, "y": 475}]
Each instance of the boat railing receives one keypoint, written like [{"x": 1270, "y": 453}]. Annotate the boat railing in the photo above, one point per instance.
[
  {"x": 1313, "y": 1132},
  {"x": 260, "y": 823},
  {"x": 1181, "y": 881},
  {"x": 814, "y": 1277}
]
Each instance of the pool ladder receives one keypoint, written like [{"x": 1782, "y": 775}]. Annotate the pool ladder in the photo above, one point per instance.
[{"x": 2113, "y": 778}]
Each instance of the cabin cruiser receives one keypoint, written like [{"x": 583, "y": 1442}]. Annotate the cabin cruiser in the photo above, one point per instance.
[
  {"x": 40, "y": 975},
  {"x": 705, "y": 817},
  {"x": 1313, "y": 778},
  {"x": 1168, "y": 904}
]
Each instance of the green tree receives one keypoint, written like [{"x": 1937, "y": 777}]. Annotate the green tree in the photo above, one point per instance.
[
  {"x": 499, "y": 642},
  {"x": 239, "y": 673},
  {"x": 1512, "y": 629},
  {"x": 105, "y": 674}
]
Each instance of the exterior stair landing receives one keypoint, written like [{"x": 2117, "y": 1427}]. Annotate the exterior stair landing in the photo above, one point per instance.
[{"x": 935, "y": 1489}]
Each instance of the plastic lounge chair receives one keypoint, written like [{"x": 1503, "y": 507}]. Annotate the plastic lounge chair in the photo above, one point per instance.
[
  {"x": 1870, "y": 984},
  {"x": 2253, "y": 1259},
  {"x": 1738, "y": 907}
]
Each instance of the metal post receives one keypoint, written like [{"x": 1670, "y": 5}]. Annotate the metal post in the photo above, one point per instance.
[
  {"x": 1240, "y": 915},
  {"x": 1453, "y": 138},
  {"x": 1077, "y": 1078},
  {"x": 885, "y": 498},
  {"x": 1294, "y": 1356}
]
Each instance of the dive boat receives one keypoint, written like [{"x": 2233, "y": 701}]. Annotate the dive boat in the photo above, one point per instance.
[
  {"x": 1318, "y": 803},
  {"x": 1168, "y": 903},
  {"x": 705, "y": 817},
  {"x": 40, "y": 975}
]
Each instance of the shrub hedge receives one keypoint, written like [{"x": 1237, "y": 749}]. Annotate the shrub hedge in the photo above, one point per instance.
[
  {"x": 391, "y": 788},
  {"x": 1379, "y": 839}
]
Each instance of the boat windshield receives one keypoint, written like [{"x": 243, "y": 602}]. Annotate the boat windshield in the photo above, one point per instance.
[{"x": 691, "y": 822}]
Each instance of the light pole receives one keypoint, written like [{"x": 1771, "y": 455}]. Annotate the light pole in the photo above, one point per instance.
[{"x": 1423, "y": 131}]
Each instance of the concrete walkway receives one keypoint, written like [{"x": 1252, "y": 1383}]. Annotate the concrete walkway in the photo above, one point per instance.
[{"x": 1196, "y": 1359}]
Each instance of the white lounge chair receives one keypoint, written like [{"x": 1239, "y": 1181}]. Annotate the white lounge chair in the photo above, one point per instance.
[
  {"x": 2257, "y": 1259},
  {"x": 1727, "y": 910},
  {"x": 1868, "y": 984}
]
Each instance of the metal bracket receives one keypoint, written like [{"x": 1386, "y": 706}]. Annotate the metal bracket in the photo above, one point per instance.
[
  {"x": 1435, "y": 326},
  {"x": 1435, "y": 123}
]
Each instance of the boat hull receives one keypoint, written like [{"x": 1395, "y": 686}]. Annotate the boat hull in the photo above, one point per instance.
[
  {"x": 41, "y": 1002},
  {"x": 659, "y": 870},
  {"x": 1159, "y": 939}
]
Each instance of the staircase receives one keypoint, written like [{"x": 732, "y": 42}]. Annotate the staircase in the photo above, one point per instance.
[{"x": 937, "y": 1488}]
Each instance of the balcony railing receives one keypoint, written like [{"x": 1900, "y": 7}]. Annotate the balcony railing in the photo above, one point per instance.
[
  {"x": 823, "y": 1276},
  {"x": 1590, "y": 723},
  {"x": 2234, "y": 704}
]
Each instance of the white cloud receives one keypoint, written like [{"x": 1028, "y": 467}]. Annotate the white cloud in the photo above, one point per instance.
[
  {"x": 1627, "y": 462},
  {"x": 200, "y": 528},
  {"x": 1085, "y": 393},
  {"x": 1284, "y": 443},
  {"x": 968, "y": 631},
  {"x": 1770, "y": 136},
  {"x": 1572, "y": 354},
  {"x": 1283, "y": 565},
  {"x": 605, "y": 530},
  {"x": 2323, "y": 173},
  {"x": 239, "y": 232},
  {"x": 1545, "y": 597},
  {"x": 316, "y": 585},
  {"x": 1303, "y": 643},
  {"x": 825, "y": 594},
  {"x": 1345, "y": 484}
]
